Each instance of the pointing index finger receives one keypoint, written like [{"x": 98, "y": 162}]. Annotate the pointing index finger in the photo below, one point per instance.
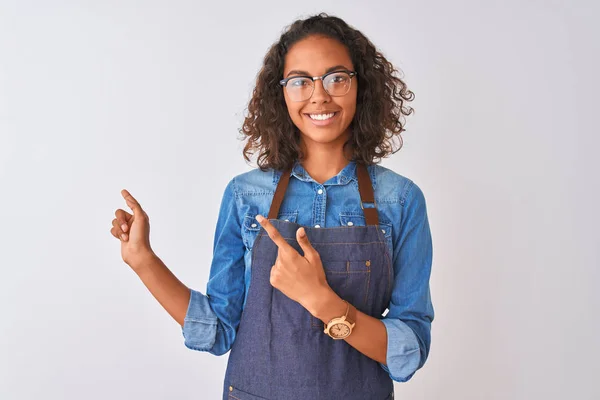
[
  {"x": 273, "y": 233},
  {"x": 131, "y": 202}
]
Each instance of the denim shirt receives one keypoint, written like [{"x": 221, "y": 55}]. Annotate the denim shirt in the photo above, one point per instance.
[{"x": 212, "y": 320}]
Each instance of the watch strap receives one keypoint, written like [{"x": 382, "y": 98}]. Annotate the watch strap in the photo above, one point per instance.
[{"x": 351, "y": 317}]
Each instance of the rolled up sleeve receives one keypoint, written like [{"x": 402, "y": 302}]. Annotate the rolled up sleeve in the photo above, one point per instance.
[
  {"x": 410, "y": 313},
  {"x": 211, "y": 320},
  {"x": 200, "y": 324}
]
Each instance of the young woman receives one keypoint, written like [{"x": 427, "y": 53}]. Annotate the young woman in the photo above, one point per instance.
[{"x": 319, "y": 283}]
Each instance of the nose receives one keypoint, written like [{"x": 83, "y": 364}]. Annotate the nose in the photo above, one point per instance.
[{"x": 319, "y": 93}]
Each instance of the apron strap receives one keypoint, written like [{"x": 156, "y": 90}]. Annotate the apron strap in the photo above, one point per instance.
[
  {"x": 279, "y": 193},
  {"x": 365, "y": 188}
]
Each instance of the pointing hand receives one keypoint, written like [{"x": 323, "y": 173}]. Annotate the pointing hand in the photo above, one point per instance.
[{"x": 133, "y": 230}]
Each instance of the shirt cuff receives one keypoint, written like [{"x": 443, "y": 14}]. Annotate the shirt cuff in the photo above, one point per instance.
[
  {"x": 200, "y": 323},
  {"x": 403, "y": 352}
]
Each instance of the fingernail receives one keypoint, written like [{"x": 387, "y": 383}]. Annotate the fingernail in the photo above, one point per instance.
[
  {"x": 259, "y": 218},
  {"x": 124, "y": 227},
  {"x": 123, "y": 236},
  {"x": 302, "y": 232}
]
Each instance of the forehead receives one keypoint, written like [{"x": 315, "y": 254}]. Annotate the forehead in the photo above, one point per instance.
[{"x": 315, "y": 54}]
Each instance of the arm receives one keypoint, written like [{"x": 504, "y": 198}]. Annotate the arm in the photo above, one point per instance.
[
  {"x": 400, "y": 341},
  {"x": 173, "y": 295},
  {"x": 368, "y": 335},
  {"x": 209, "y": 321},
  {"x": 408, "y": 322}
]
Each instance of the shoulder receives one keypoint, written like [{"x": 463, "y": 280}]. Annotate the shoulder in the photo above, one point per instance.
[
  {"x": 392, "y": 187},
  {"x": 254, "y": 181},
  {"x": 253, "y": 190}
]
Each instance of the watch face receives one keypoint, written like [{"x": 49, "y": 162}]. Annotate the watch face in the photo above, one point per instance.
[{"x": 339, "y": 330}]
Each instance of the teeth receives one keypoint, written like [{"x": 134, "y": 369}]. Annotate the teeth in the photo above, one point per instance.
[{"x": 321, "y": 117}]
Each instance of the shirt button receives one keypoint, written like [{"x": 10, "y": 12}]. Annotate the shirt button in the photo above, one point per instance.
[
  {"x": 231, "y": 388},
  {"x": 320, "y": 191},
  {"x": 287, "y": 220},
  {"x": 350, "y": 223},
  {"x": 253, "y": 225},
  {"x": 317, "y": 226},
  {"x": 383, "y": 230}
]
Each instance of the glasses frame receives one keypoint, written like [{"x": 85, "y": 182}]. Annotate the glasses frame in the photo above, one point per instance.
[{"x": 352, "y": 74}]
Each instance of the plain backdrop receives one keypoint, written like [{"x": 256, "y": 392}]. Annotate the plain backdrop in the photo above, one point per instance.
[{"x": 148, "y": 96}]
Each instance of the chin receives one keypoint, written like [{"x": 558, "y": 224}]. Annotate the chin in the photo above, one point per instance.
[{"x": 322, "y": 137}]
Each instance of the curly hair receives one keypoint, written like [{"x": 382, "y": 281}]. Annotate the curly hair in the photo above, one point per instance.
[{"x": 380, "y": 103}]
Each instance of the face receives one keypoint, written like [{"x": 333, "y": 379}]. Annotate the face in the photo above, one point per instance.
[{"x": 315, "y": 56}]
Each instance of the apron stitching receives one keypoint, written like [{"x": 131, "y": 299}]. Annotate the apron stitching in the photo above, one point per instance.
[
  {"x": 367, "y": 290},
  {"x": 347, "y": 278},
  {"x": 349, "y": 272},
  {"x": 327, "y": 244}
]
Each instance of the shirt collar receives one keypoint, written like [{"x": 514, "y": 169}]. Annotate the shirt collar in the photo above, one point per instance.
[{"x": 347, "y": 174}]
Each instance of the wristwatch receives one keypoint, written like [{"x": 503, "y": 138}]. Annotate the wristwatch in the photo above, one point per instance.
[{"x": 341, "y": 327}]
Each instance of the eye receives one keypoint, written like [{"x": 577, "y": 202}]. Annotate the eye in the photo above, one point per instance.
[
  {"x": 339, "y": 78},
  {"x": 298, "y": 82}
]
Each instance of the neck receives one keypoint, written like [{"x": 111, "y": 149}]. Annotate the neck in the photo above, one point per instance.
[{"x": 324, "y": 160}]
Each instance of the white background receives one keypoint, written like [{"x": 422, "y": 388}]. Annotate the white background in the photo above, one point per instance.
[{"x": 148, "y": 96}]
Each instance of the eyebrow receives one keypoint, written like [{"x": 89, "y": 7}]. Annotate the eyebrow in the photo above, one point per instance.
[{"x": 298, "y": 72}]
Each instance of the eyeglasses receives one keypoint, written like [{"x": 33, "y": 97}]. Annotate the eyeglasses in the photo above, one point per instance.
[{"x": 301, "y": 88}]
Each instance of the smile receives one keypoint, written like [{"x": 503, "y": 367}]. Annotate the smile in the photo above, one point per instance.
[{"x": 322, "y": 119}]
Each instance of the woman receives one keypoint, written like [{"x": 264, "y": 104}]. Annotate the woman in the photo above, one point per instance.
[{"x": 300, "y": 297}]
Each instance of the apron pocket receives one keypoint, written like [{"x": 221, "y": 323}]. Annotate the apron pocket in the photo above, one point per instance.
[
  {"x": 237, "y": 394},
  {"x": 349, "y": 280}
]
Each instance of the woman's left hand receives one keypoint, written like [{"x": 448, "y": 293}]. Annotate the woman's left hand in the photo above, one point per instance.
[{"x": 301, "y": 278}]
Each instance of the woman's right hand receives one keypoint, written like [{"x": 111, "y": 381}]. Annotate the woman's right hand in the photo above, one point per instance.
[{"x": 133, "y": 230}]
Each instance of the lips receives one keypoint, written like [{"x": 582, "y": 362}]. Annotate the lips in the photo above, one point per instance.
[
  {"x": 322, "y": 122},
  {"x": 322, "y": 112}
]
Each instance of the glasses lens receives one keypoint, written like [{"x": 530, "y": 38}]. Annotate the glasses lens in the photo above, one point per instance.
[
  {"x": 337, "y": 84},
  {"x": 299, "y": 89}
]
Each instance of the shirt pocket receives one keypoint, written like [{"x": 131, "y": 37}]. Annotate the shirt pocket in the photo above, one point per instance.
[
  {"x": 251, "y": 227},
  {"x": 386, "y": 229},
  {"x": 358, "y": 219}
]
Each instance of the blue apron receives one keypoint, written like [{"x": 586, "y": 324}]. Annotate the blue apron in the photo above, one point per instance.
[{"x": 280, "y": 351}]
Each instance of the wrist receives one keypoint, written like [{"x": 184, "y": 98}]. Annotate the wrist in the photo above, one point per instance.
[
  {"x": 328, "y": 306},
  {"x": 143, "y": 261}
]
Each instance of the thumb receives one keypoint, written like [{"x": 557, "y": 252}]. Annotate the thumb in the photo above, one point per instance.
[
  {"x": 309, "y": 251},
  {"x": 132, "y": 203}
]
